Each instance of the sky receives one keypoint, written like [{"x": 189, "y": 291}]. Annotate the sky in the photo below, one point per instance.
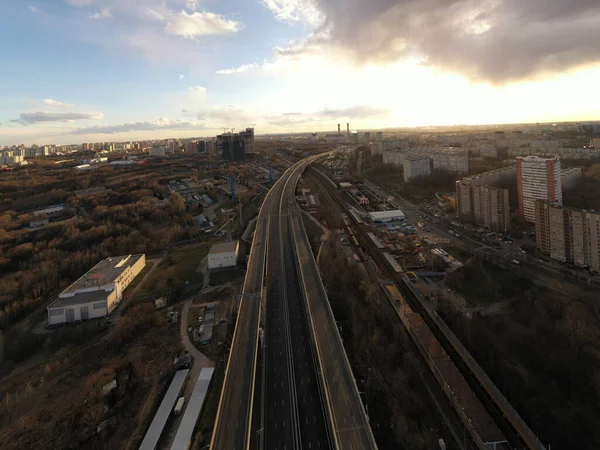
[{"x": 116, "y": 70}]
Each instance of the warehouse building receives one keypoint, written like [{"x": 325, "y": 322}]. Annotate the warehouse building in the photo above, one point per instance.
[
  {"x": 387, "y": 216},
  {"x": 97, "y": 292},
  {"x": 224, "y": 254}
]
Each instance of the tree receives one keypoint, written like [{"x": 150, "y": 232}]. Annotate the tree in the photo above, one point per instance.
[{"x": 177, "y": 203}]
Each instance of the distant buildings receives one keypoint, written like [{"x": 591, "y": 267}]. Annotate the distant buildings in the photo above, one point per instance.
[
  {"x": 232, "y": 146},
  {"x": 448, "y": 159},
  {"x": 416, "y": 168},
  {"x": 248, "y": 137},
  {"x": 97, "y": 292},
  {"x": 157, "y": 151},
  {"x": 454, "y": 161},
  {"x": 568, "y": 234},
  {"x": 12, "y": 158},
  {"x": 538, "y": 178},
  {"x": 376, "y": 148}
]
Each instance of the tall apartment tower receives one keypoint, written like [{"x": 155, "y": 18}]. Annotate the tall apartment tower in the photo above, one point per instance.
[
  {"x": 538, "y": 178},
  {"x": 248, "y": 137},
  {"x": 568, "y": 234},
  {"x": 485, "y": 206}
]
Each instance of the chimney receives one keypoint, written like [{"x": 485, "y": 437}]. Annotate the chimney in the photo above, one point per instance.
[
  {"x": 348, "y": 128},
  {"x": 339, "y": 130}
]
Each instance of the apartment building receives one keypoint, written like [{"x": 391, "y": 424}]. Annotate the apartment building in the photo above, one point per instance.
[
  {"x": 448, "y": 159},
  {"x": 486, "y": 206},
  {"x": 416, "y": 168},
  {"x": 375, "y": 148},
  {"x": 455, "y": 161},
  {"x": 568, "y": 234},
  {"x": 538, "y": 178}
]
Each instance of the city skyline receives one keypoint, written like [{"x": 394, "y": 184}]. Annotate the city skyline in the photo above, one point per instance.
[{"x": 107, "y": 70}]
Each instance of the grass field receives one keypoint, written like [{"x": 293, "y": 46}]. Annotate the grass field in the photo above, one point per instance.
[{"x": 176, "y": 269}]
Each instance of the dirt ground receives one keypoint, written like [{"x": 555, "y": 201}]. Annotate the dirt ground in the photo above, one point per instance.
[{"x": 61, "y": 403}]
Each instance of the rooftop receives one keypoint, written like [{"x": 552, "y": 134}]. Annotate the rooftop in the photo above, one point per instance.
[
  {"x": 81, "y": 298},
  {"x": 223, "y": 247},
  {"x": 105, "y": 272},
  {"x": 384, "y": 214}
]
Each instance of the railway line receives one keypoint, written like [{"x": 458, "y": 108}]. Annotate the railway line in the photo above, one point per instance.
[{"x": 452, "y": 364}]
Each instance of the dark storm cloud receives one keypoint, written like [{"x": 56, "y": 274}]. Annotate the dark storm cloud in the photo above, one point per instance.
[{"x": 493, "y": 40}]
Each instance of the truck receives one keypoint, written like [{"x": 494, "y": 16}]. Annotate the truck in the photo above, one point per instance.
[{"x": 178, "y": 406}]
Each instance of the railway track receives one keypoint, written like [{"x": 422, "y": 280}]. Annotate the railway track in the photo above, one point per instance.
[{"x": 515, "y": 430}]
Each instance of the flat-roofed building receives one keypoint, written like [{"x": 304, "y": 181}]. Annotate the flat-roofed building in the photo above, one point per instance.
[
  {"x": 568, "y": 234},
  {"x": 538, "y": 178},
  {"x": 486, "y": 206},
  {"x": 97, "y": 292},
  {"x": 224, "y": 254},
  {"x": 416, "y": 168}
]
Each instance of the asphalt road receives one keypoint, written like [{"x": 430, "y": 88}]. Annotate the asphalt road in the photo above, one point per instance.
[
  {"x": 349, "y": 420},
  {"x": 233, "y": 423},
  {"x": 309, "y": 386}
]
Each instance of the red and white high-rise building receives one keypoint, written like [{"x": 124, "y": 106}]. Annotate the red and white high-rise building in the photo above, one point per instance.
[{"x": 538, "y": 178}]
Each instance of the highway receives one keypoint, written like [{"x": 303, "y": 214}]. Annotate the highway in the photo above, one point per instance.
[
  {"x": 309, "y": 397},
  {"x": 233, "y": 422},
  {"x": 294, "y": 414}
]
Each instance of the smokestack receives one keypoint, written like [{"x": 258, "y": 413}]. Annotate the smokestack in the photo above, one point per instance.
[
  {"x": 348, "y": 128},
  {"x": 339, "y": 130}
]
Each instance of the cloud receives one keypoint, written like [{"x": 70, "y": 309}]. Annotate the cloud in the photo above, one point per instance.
[
  {"x": 295, "y": 11},
  {"x": 160, "y": 124},
  {"x": 153, "y": 15},
  {"x": 57, "y": 104},
  {"x": 354, "y": 112},
  {"x": 104, "y": 13},
  {"x": 201, "y": 24},
  {"x": 43, "y": 116},
  {"x": 491, "y": 40},
  {"x": 33, "y": 9},
  {"x": 181, "y": 76},
  {"x": 192, "y": 5},
  {"x": 239, "y": 69},
  {"x": 199, "y": 89}
]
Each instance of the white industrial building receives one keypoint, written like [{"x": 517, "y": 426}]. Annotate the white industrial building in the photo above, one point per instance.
[
  {"x": 48, "y": 211},
  {"x": 416, "y": 168},
  {"x": 387, "y": 216},
  {"x": 224, "y": 254},
  {"x": 97, "y": 292}
]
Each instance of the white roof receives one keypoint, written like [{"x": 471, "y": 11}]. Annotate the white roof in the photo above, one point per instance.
[
  {"x": 223, "y": 247},
  {"x": 386, "y": 214}
]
